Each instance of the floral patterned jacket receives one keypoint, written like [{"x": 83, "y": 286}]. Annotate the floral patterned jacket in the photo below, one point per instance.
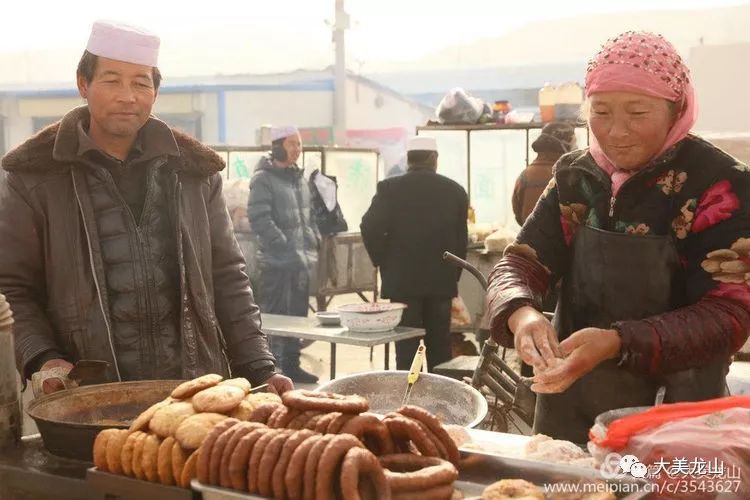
[{"x": 695, "y": 192}]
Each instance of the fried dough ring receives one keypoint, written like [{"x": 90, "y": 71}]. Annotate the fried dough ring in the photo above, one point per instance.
[
  {"x": 330, "y": 462},
  {"x": 323, "y": 423},
  {"x": 436, "y": 427},
  {"x": 303, "y": 400},
  {"x": 311, "y": 466},
  {"x": 263, "y": 412},
  {"x": 268, "y": 462},
  {"x": 407, "y": 472},
  {"x": 294, "y": 474},
  {"x": 203, "y": 465},
  {"x": 405, "y": 428},
  {"x": 217, "y": 453},
  {"x": 299, "y": 421},
  {"x": 371, "y": 431},
  {"x": 361, "y": 464},
  {"x": 242, "y": 430},
  {"x": 253, "y": 464},
  {"x": 278, "y": 484},
  {"x": 338, "y": 423},
  {"x": 313, "y": 422},
  {"x": 239, "y": 460}
]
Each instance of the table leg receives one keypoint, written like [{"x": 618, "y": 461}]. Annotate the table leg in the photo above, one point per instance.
[
  {"x": 387, "y": 355},
  {"x": 333, "y": 360}
]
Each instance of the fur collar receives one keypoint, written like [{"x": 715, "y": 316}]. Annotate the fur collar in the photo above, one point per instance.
[{"x": 55, "y": 147}]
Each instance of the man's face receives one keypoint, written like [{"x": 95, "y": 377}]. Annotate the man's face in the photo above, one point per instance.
[
  {"x": 293, "y": 147},
  {"x": 120, "y": 97}
]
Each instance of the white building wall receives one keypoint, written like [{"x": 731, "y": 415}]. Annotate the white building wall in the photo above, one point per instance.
[
  {"x": 246, "y": 111},
  {"x": 208, "y": 104},
  {"x": 371, "y": 108},
  {"x": 721, "y": 74}
]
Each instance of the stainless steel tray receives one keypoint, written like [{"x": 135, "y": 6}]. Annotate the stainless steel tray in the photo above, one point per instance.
[{"x": 480, "y": 470}]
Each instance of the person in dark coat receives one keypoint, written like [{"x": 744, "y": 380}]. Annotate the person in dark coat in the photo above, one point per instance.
[
  {"x": 555, "y": 140},
  {"x": 116, "y": 241},
  {"x": 412, "y": 220},
  {"x": 281, "y": 219},
  {"x": 648, "y": 231}
]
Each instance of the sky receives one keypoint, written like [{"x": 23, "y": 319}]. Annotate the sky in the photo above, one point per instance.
[{"x": 202, "y": 37}]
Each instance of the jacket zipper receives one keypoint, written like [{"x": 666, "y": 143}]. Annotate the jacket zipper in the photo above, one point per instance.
[
  {"x": 96, "y": 279},
  {"x": 613, "y": 197},
  {"x": 142, "y": 253}
]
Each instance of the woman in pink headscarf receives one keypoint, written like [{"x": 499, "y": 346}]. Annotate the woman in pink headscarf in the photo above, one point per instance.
[{"x": 649, "y": 231}]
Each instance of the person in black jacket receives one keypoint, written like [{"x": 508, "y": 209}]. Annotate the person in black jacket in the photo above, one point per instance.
[
  {"x": 412, "y": 220},
  {"x": 281, "y": 220}
]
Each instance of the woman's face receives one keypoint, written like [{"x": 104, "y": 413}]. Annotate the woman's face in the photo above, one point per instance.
[{"x": 630, "y": 128}]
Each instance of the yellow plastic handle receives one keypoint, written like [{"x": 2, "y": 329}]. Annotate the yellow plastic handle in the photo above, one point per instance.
[{"x": 416, "y": 365}]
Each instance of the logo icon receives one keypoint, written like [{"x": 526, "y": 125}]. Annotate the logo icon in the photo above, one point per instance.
[{"x": 616, "y": 465}]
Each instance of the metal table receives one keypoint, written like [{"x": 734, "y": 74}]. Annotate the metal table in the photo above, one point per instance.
[
  {"x": 309, "y": 329},
  {"x": 29, "y": 471}
]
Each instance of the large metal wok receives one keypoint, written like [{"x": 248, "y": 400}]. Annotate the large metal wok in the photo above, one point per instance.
[
  {"x": 70, "y": 420},
  {"x": 453, "y": 402}
]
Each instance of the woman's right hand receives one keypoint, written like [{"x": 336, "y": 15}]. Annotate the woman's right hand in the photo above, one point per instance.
[{"x": 534, "y": 337}]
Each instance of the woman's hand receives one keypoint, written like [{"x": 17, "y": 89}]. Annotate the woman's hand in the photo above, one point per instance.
[
  {"x": 534, "y": 337},
  {"x": 582, "y": 352}
]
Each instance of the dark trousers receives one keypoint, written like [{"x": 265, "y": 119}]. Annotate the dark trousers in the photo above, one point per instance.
[
  {"x": 284, "y": 291},
  {"x": 434, "y": 315}
]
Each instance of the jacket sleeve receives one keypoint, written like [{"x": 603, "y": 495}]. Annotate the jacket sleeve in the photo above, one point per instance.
[
  {"x": 374, "y": 226},
  {"x": 716, "y": 255},
  {"x": 537, "y": 259},
  {"x": 260, "y": 215},
  {"x": 236, "y": 310},
  {"x": 517, "y": 199},
  {"x": 462, "y": 238},
  {"x": 22, "y": 277}
]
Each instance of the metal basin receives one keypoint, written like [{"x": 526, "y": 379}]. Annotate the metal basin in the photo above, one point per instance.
[
  {"x": 453, "y": 402},
  {"x": 70, "y": 420}
]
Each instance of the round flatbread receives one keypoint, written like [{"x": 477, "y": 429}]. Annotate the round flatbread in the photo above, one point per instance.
[
  {"x": 165, "y": 421},
  {"x": 218, "y": 399},
  {"x": 191, "y": 432},
  {"x": 114, "y": 451},
  {"x": 187, "y": 389}
]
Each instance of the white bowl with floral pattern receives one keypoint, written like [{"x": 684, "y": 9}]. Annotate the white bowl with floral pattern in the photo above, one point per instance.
[{"x": 370, "y": 317}]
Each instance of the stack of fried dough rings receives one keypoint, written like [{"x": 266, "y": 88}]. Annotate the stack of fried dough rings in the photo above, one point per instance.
[
  {"x": 325, "y": 446},
  {"x": 304, "y": 445}
]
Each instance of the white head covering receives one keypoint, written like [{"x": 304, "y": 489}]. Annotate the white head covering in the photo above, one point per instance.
[
  {"x": 421, "y": 144},
  {"x": 124, "y": 43},
  {"x": 283, "y": 132}
]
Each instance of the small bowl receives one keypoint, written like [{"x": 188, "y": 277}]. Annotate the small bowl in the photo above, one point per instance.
[
  {"x": 371, "y": 317},
  {"x": 328, "y": 318}
]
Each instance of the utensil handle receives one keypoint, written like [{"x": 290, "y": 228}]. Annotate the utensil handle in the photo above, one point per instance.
[
  {"x": 416, "y": 364},
  {"x": 258, "y": 388}
]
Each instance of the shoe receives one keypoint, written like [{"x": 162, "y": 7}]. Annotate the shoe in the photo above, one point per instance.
[{"x": 301, "y": 376}]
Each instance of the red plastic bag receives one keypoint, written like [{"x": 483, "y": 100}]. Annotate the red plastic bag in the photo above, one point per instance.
[
  {"x": 621, "y": 430},
  {"x": 698, "y": 457},
  {"x": 686, "y": 450}
]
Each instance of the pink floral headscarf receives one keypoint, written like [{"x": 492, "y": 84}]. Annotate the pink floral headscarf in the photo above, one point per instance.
[{"x": 644, "y": 63}]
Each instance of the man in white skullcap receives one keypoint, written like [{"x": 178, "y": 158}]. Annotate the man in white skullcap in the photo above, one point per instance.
[
  {"x": 280, "y": 215},
  {"x": 412, "y": 220},
  {"x": 117, "y": 245}
]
